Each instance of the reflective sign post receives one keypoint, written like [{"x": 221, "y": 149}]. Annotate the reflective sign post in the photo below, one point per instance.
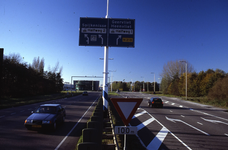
[{"x": 107, "y": 32}]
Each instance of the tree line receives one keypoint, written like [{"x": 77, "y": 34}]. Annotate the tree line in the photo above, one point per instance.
[
  {"x": 22, "y": 80},
  {"x": 134, "y": 86},
  {"x": 211, "y": 83}
]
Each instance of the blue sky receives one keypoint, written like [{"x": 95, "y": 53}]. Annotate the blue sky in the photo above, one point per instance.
[{"x": 165, "y": 30}]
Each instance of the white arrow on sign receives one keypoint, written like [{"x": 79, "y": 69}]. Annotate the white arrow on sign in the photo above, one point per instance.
[
  {"x": 86, "y": 36},
  {"x": 100, "y": 36},
  {"x": 174, "y": 120},
  {"x": 119, "y": 37}
]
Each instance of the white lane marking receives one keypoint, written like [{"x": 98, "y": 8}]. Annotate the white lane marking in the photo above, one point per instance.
[
  {"x": 167, "y": 102},
  {"x": 208, "y": 114},
  {"x": 74, "y": 126},
  {"x": 226, "y": 134},
  {"x": 173, "y": 120},
  {"x": 170, "y": 132},
  {"x": 139, "y": 114},
  {"x": 2, "y": 116},
  {"x": 182, "y": 116},
  {"x": 173, "y": 104},
  {"x": 157, "y": 141},
  {"x": 200, "y": 123},
  {"x": 171, "y": 111},
  {"x": 180, "y": 106},
  {"x": 214, "y": 121},
  {"x": 145, "y": 123}
]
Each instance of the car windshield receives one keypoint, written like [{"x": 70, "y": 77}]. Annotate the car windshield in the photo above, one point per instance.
[{"x": 46, "y": 109}]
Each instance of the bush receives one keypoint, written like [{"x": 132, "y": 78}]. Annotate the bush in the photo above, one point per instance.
[{"x": 220, "y": 90}]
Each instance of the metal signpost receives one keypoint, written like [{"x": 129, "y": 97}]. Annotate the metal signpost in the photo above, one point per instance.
[{"x": 108, "y": 32}]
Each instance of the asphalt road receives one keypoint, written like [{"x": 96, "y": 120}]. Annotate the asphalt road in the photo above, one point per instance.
[
  {"x": 180, "y": 125},
  {"x": 13, "y": 134}
]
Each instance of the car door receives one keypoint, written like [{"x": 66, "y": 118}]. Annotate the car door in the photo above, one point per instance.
[{"x": 60, "y": 113}]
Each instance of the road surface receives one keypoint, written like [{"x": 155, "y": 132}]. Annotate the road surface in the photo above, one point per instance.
[
  {"x": 13, "y": 134},
  {"x": 179, "y": 124}
]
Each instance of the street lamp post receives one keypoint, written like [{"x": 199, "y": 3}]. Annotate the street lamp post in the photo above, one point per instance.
[
  {"x": 112, "y": 78},
  {"x": 154, "y": 80},
  {"x": 143, "y": 83},
  {"x": 186, "y": 90}
]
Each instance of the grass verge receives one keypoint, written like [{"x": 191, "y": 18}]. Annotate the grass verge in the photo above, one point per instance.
[{"x": 13, "y": 102}]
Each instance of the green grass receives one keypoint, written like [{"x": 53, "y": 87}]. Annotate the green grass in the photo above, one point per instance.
[
  {"x": 7, "y": 102},
  {"x": 113, "y": 94}
]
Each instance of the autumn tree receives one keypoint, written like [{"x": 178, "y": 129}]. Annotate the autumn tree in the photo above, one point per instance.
[
  {"x": 171, "y": 71},
  {"x": 220, "y": 90}
]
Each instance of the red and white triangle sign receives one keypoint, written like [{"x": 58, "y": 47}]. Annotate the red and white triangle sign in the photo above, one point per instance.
[{"x": 126, "y": 107}]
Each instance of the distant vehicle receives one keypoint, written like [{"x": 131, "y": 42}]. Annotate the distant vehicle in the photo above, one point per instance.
[
  {"x": 47, "y": 116},
  {"x": 155, "y": 102},
  {"x": 85, "y": 93}
]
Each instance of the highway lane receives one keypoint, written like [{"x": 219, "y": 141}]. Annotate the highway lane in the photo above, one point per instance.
[
  {"x": 180, "y": 124},
  {"x": 13, "y": 134}
]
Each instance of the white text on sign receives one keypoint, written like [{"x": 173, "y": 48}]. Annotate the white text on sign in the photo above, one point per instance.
[
  {"x": 121, "y": 31},
  {"x": 125, "y": 130},
  {"x": 93, "y": 30}
]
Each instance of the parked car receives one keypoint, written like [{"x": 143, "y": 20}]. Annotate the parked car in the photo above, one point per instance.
[
  {"x": 155, "y": 102},
  {"x": 47, "y": 116},
  {"x": 85, "y": 93}
]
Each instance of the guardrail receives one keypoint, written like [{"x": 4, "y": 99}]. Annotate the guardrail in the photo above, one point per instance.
[{"x": 96, "y": 131}]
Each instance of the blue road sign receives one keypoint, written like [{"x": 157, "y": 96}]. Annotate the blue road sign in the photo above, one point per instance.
[
  {"x": 93, "y": 32},
  {"x": 121, "y": 32},
  {"x": 107, "y": 32}
]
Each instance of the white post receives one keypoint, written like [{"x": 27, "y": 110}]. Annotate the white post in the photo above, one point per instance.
[
  {"x": 186, "y": 90},
  {"x": 186, "y": 81},
  {"x": 125, "y": 141},
  {"x": 105, "y": 73},
  {"x": 154, "y": 83}
]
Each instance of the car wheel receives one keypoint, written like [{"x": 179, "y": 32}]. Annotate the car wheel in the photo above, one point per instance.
[{"x": 148, "y": 104}]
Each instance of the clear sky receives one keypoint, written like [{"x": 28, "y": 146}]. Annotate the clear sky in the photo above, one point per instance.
[{"x": 165, "y": 30}]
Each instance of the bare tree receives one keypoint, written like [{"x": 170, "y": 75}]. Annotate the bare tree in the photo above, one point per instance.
[
  {"x": 38, "y": 64},
  {"x": 15, "y": 58},
  {"x": 172, "y": 70},
  {"x": 56, "y": 69}
]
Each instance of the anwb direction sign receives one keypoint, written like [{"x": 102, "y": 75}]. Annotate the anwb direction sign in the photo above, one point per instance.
[{"x": 125, "y": 130}]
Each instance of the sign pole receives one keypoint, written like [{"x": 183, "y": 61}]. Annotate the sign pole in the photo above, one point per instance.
[
  {"x": 105, "y": 84},
  {"x": 125, "y": 141},
  {"x": 1, "y": 70}
]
